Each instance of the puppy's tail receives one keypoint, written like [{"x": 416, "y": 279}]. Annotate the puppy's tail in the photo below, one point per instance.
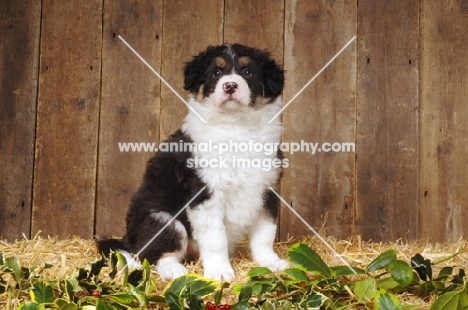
[{"x": 105, "y": 246}]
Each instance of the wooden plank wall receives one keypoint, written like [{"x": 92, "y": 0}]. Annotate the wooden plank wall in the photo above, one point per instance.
[{"x": 70, "y": 91}]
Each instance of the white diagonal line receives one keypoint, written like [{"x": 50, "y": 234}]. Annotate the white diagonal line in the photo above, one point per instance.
[
  {"x": 162, "y": 79},
  {"x": 164, "y": 227},
  {"x": 313, "y": 230},
  {"x": 311, "y": 80}
]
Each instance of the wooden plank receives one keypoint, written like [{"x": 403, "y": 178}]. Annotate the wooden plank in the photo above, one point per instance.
[
  {"x": 189, "y": 27},
  {"x": 130, "y": 105},
  {"x": 67, "y": 118},
  {"x": 256, "y": 23},
  {"x": 319, "y": 187},
  {"x": 443, "y": 121},
  {"x": 387, "y": 125},
  {"x": 19, "y": 58}
]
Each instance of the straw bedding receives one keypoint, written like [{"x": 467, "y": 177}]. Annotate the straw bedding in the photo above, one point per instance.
[{"x": 72, "y": 253}]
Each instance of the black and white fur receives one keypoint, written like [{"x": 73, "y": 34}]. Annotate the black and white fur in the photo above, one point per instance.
[{"x": 236, "y": 89}]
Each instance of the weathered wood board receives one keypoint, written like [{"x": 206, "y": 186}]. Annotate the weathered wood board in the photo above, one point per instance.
[
  {"x": 319, "y": 187},
  {"x": 130, "y": 106},
  {"x": 188, "y": 29},
  {"x": 387, "y": 120},
  {"x": 19, "y": 58},
  {"x": 443, "y": 146},
  {"x": 68, "y": 117}
]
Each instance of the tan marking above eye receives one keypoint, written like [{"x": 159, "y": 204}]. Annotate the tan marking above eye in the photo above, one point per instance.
[
  {"x": 220, "y": 62},
  {"x": 244, "y": 61}
]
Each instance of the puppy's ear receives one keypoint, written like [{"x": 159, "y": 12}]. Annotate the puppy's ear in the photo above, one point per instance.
[
  {"x": 194, "y": 73},
  {"x": 273, "y": 77}
]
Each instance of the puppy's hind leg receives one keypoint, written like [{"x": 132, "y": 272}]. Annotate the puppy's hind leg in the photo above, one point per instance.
[
  {"x": 169, "y": 249},
  {"x": 169, "y": 266}
]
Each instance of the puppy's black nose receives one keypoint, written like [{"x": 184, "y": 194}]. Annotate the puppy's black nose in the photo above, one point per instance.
[{"x": 230, "y": 87}]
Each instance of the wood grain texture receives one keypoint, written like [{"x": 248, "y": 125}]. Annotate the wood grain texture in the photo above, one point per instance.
[
  {"x": 443, "y": 148},
  {"x": 130, "y": 105},
  {"x": 256, "y": 23},
  {"x": 319, "y": 187},
  {"x": 188, "y": 29},
  {"x": 387, "y": 158},
  {"x": 68, "y": 111},
  {"x": 19, "y": 59}
]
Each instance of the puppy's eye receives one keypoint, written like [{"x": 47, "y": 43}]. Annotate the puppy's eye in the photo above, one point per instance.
[
  {"x": 216, "y": 73},
  {"x": 246, "y": 72}
]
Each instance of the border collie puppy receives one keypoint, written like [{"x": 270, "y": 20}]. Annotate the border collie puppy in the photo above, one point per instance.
[{"x": 236, "y": 90}]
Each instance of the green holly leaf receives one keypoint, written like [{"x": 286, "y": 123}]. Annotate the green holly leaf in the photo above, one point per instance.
[
  {"x": 42, "y": 293},
  {"x": 241, "y": 305},
  {"x": 287, "y": 306},
  {"x": 103, "y": 306},
  {"x": 296, "y": 274},
  {"x": 306, "y": 259},
  {"x": 267, "y": 306},
  {"x": 203, "y": 286},
  {"x": 444, "y": 273},
  {"x": 386, "y": 301},
  {"x": 179, "y": 285},
  {"x": 122, "y": 298},
  {"x": 174, "y": 301},
  {"x": 140, "y": 296},
  {"x": 13, "y": 264},
  {"x": 451, "y": 300},
  {"x": 381, "y": 261},
  {"x": 29, "y": 306},
  {"x": 346, "y": 271},
  {"x": 314, "y": 301},
  {"x": 65, "y": 304},
  {"x": 258, "y": 271},
  {"x": 366, "y": 289},
  {"x": 401, "y": 272},
  {"x": 122, "y": 263}
]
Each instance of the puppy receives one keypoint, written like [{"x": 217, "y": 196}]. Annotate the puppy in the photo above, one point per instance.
[{"x": 218, "y": 171}]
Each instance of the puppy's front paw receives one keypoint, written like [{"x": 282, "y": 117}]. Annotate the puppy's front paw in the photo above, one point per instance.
[
  {"x": 274, "y": 263},
  {"x": 170, "y": 269},
  {"x": 219, "y": 271},
  {"x": 278, "y": 265}
]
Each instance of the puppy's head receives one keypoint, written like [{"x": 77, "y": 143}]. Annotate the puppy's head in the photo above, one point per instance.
[{"x": 234, "y": 77}]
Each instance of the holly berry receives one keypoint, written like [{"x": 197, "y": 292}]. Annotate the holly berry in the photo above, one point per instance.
[
  {"x": 96, "y": 293},
  {"x": 210, "y": 306}
]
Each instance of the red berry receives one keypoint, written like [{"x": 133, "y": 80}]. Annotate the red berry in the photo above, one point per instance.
[
  {"x": 95, "y": 293},
  {"x": 210, "y": 306}
]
